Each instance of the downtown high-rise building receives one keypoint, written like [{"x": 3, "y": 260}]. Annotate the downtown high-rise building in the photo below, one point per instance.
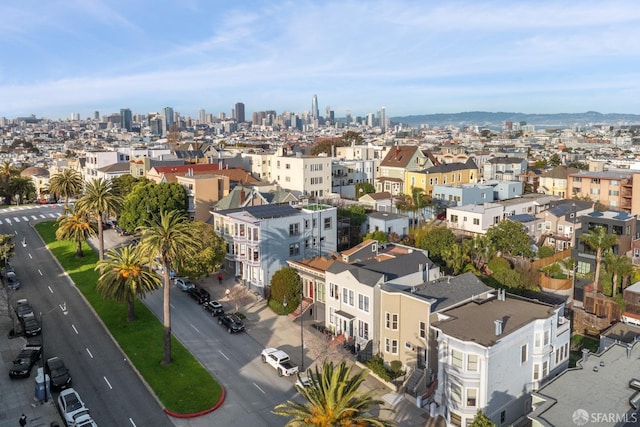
[
  {"x": 125, "y": 119},
  {"x": 202, "y": 116},
  {"x": 167, "y": 113},
  {"x": 315, "y": 112},
  {"x": 238, "y": 112},
  {"x": 383, "y": 120}
]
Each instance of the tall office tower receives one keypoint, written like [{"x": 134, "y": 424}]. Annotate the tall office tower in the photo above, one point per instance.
[
  {"x": 223, "y": 116},
  {"x": 125, "y": 119},
  {"x": 315, "y": 113},
  {"x": 348, "y": 116},
  {"x": 370, "y": 120},
  {"x": 202, "y": 116},
  {"x": 167, "y": 112},
  {"x": 239, "y": 112},
  {"x": 96, "y": 115},
  {"x": 383, "y": 120}
]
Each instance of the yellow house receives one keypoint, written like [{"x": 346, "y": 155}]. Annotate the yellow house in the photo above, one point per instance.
[{"x": 448, "y": 173}]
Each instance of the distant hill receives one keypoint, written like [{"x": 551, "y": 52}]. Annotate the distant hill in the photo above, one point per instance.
[{"x": 493, "y": 120}]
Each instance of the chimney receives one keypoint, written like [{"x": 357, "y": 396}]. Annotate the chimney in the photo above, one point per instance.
[
  {"x": 498, "y": 324},
  {"x": 585, "y": 354}
]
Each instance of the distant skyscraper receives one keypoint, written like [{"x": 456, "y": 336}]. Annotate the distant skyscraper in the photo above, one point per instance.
[
  {"x": 348, "y": 118},
  {"x": 202, "y": 116},
  {"x": 315, "y": 113},
  {"x": 96, "y": 115},
  {"x": 239, "y": 112},
  {"x": 383, "y": 119},
  {"x": 167, "y": 112},
  {"x": 125, "y": 119}
]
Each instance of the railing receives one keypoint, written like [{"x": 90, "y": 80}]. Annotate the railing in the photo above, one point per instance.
[{"x": 563, "y": 327}]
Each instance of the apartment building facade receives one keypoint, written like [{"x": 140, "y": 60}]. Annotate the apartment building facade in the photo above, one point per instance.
[{"x": 447, "y": 173}]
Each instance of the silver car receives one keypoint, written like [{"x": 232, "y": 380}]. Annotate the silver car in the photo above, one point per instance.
[
  {"x": 12, "y": 280},
  {"x": 184, "y": 284}
]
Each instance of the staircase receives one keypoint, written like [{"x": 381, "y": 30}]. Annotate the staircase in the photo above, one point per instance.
[
  {"x": 301, "y": 309},
  {"x": 416, "y": 382}
]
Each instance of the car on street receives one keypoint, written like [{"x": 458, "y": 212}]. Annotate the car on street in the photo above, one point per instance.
[
  {"x": 58, "y": 373},
  {"x": 184, "y": 284},
  {"x": 23, "y": 308},
  {"x": 72, "y": 409},
  {"x": 214, "y": 308},
  {"x": 12, "y": 280},
  {"x": 280, "y": 361},
  {"x": 30, "y": 325},
  {"x": 199, "y": 295},
  {"x": 22, "y": 365},
  {"x": 231, "y": 322},
  {"x": 303, "y": 381}
]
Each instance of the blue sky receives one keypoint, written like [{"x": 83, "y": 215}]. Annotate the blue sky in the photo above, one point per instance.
[{"x": 412, "y": 57}]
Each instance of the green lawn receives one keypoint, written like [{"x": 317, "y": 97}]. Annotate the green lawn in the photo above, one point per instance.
[
  {"x": 578, "y": 342},
  {"x": 184, "y": 386}
]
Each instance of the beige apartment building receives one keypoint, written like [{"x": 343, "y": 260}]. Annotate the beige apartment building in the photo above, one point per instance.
[
  {"x": 614, "y": 189},
  {"x": 202, "y": 192}
]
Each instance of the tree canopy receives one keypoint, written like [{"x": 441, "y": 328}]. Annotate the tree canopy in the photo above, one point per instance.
[
  {"x": 286, "y": 283},
  {"x": 125, "y": 183},
  {"x": 210, "y": 258},
  {"x": 510, "y": 237},
  {"x": 147, "y": 200},
  {"x": 436, "y": 240}
]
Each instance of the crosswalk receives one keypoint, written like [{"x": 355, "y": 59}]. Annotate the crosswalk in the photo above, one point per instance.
[
  {"x": 38, "y": 217},
  {"x": 27, "y": 216}
]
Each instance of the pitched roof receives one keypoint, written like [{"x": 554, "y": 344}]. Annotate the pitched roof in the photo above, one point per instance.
[
  {"x": 559, "y": 172},
  {"x": 399, "y": 156}
]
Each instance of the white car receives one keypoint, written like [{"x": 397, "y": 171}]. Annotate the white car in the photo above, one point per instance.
[
  {"x": 73, "y": 411},
  {"x": 184, "y": 284}
]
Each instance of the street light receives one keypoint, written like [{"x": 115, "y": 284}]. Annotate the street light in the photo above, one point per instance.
[{"x": 63, "y": 308}]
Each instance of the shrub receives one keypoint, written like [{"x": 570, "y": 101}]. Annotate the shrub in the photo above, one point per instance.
[
  {"x": 396, "y": 369},
  {"x": 376, "y": 364},
  {"x": 545, "y": 251}
]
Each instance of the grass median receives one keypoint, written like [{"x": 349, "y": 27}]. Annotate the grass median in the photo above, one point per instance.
[{"x": 184, "y": 386}]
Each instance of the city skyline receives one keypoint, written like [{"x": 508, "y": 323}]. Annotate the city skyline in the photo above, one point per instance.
[{"x": 67, "y": 57}]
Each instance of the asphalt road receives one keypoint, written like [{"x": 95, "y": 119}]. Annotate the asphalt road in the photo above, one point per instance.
[{"x": 107, "y": 383}]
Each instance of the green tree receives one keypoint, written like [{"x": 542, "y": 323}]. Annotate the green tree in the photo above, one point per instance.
[
  {"x": 481, "y": 420},
  {"x": 510, "y": 237},
  {"x": 7, "y": 248},
  {"x": 599, "y": 241},
  {"x": 125, "y": 277},
  {"x": 619, "y": 267},
  {"x": 555, "y": 160},
  {"x": 363, "y": 188},
  {"x": 100, "y": 199},
  {"x": 379, "y": 235},
  {"x": 66, "y": 184},
  {"x": 285, "y": 283},
  {"x": 481, "y": 251},
  {"x": 125, "y": 183},
  {"x": 210, "y": 258},
  {"x": 414, "y": 203},
  {"x": 352, "y": 137},
  {"x": 170, "y": 237},
  {"x": 145, "y": 201},
  {"x": 21, "y": 188},
  {"x": 436, "y": 240},
  {"x": 333, "y": 398},
  {"x": 75, "y": 228},
  {"x": 456, "y": 257},
  {"x": 545, "y": 252}
]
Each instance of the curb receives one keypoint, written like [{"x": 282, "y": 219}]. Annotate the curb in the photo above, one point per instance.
[{"x": 201, "y": 413}]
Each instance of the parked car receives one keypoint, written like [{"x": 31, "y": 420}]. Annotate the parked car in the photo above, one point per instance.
[
  {"x": 23, "y": 364},
  {"x": 231, "y": 322},
  {"x": 184, "y": 284},
  {"x": 72, "y": 409},
  {"x": 303, "y": 381},
  {"x": 31, "y": 326},
  {"x": 58, "y": 372},
  {"x": 280, "y": 361},
  {"x": 12, "y": 280},
  {"x": 200, "y": 295},
  {"x": 23, "y": 308},
  {"x": 214, "y": 308}
]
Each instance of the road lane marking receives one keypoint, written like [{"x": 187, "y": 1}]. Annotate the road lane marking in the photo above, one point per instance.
[
  {"x": 223, "y": 355},
  {"x": 30, "y": 255},
  {"x": 107, "y": 381},
  {"x": 171, "y": 305},
  {"x": 25, "y": 219},
  {"x": 89, "y": 353},
  {"x": 196, "y": 329},
  {"x": 132, "y": 423},
  {"x": 50, "y": 290},
  {"x": 258, "y": 387},
  {"x": 74, "y": 328},
  {"x": 39, "y": 271},
  {"x": 16, "y": 219},
  {"x": 34, "y": 217},
  {"x": 42, "y": 216}
]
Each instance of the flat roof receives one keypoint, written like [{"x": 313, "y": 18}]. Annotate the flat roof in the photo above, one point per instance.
[
  {"x": 602, "y": 391},
  {"x": 475, "y": 321}
]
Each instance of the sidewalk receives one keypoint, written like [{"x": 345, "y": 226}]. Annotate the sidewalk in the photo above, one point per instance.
[{"x": 271, "y": 330}]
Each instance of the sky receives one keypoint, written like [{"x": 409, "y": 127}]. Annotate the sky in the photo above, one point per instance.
[{"x": 411, "y": 57}]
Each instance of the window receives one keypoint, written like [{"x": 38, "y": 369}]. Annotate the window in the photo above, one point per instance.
[
  {"x": 333, "y": 291},
  {"x": 327, "y": 223},
  {"x": 457, "y": 358},
  {"x": 546, "y": 337},
  {"x": 464, "y": 219},
  {"x": 287, "y": 166},
  {"x": 536, "y": 372},
  {"x": 472, "y": 363},
  {"x": 422, "y": 326},
  {"x": 614, "y": 193},
  {"x": 456, "y": 393},
  {"x": 545, "y": 369},
  {"x": 363, "y": 302},
  {"x": 294, "y": 229},
  {"x": 476, "y": 221},
  {"x": 363, "y": 330},
  {"x": 595, "y": 180},
  {"x": 391, "y": 321},
  {"x": 472, "y": 394},
  {"x": 294, "y": 249},
  {"x": 332, "y": 315},
  {"x": 306, "y": 223},
  {"x": 454, "y": 218},
  {"x": 537, "y": 341},
  {"x": 391, "y": 346},
  {"x": 595, "y": 191},
  {"x": 523, "y": 354}
]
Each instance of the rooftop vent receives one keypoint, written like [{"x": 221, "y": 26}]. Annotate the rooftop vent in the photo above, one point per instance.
[{"x": 498, "y": 325}]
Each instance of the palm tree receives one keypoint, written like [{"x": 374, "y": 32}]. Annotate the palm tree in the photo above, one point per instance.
[
  {"x": 75, "y": 228},
  {"x": 66, "y": 184},
  {"x": 482, "y": 250},
  {"x": 457, "y": 256},
  {"x": 599, "y": 241},
  {"x": 333, "y": 399},
  {"x": 125, "y": 277},
  {"x": 100, "y": 198},
  {"x": 414, "y": 203},
  {"x": 22, "y": 187},
  {"x": 617, "y": 266},
  {"x": 6, "y": 171},
  {"x": 171, "y": 237}
]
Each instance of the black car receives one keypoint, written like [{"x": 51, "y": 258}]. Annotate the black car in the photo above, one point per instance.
[
  {"x": 30, "y": 325},
  {"x": 199, "y": 294},
  {"x": 23, "y": 364},
  {"x": 23, "y": 308},
  {"x": 231, "y": 322},
  {"x": 214, "y": 308},
  {"x": 58, "y": 372}
]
